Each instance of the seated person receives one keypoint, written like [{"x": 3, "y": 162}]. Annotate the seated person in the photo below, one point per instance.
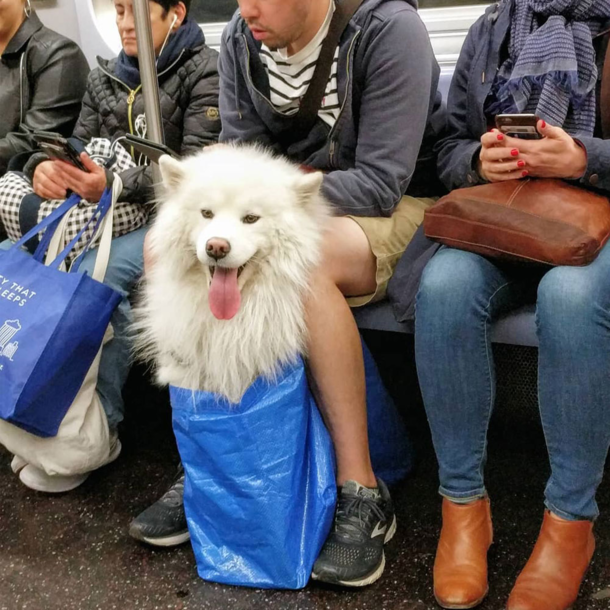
[
  {"x": 542, "y": 58},
  {"x": 43, "y": 78},
  {"x": 112, "y": 107},
  {"x": 381, "y": 107}
]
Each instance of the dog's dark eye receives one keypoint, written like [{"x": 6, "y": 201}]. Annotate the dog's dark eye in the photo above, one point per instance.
[
  {"x": 250, "y": 219},
  {"x": 207, "y": 214}
]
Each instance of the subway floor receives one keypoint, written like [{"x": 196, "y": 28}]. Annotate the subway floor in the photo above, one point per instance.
[{"x": 72, "y": 552}]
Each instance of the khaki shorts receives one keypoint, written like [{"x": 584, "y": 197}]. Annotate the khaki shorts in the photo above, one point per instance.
[{"x": 388, "y": 238}]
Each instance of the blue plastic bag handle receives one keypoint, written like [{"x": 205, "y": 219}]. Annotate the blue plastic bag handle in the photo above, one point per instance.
[
  {"x": 53, "y": 217},
  {"x": 100, "y": 213},
  {"x": 51, "y": 222}
]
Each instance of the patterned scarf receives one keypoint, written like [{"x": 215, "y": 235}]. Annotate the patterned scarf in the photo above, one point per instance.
[{"x": 551, "y": 70}]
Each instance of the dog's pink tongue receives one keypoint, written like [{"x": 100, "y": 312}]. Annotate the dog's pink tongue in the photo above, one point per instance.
[{"x": 224, "y": 297}]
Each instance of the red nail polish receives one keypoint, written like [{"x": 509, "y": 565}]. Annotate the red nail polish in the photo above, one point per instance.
[
  {"x": 524, "y": 173},
  {"x": 521, "y": 163},
  {"x": 514, "y": 152},
  {"x": 543, "y": 124},
  {"x": 500, "y": 136}
]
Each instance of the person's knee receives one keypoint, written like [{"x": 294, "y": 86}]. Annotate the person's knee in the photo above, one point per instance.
[
  {"x": 569, "y": 294},
  {"x": 346, "y": 258},
  {"x": 451, "y": 280}
]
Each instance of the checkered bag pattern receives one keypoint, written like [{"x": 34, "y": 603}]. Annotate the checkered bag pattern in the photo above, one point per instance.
[{"x": 14, "y": 187}]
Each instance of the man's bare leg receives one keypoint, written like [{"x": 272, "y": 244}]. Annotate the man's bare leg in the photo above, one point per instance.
[{"x": 335, "y": 354}]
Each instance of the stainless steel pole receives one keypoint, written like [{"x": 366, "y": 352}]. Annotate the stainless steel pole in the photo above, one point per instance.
[{"x": 148, "y": 75}]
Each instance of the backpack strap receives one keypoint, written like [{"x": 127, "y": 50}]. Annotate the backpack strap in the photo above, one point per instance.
[{"x": 312, "y": 100}]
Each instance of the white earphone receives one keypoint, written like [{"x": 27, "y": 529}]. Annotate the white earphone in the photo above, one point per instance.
[{"x": 171, "y": 27}]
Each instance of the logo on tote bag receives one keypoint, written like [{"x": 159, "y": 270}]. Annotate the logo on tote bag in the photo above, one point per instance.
[{"x": 7, "y": 331}]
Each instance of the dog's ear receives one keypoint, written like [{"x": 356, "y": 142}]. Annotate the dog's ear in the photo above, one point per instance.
[
  {"x": 172, "y": 171},
  {"x": 308, "y": 186}
]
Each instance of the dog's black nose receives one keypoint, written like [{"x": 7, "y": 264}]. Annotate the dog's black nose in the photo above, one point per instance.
[{"x": 217, "y": 248}]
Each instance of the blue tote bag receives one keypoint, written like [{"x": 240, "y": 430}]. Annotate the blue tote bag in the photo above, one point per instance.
[
  {"x": 51, "y": 327},
  {"x": 389, "y": 442},
  {"x": 260, "y": 485}
]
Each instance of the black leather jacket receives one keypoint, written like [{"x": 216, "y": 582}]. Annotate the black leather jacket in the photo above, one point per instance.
[{"x": 43, "y": 78}]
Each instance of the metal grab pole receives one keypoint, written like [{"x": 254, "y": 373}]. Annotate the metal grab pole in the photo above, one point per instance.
[{"x": 148, "y": 75}]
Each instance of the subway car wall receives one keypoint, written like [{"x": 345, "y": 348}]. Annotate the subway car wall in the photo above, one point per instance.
[{"x": 91, "y": 23}]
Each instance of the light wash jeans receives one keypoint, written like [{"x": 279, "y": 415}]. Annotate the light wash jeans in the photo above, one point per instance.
[
  {"x": 125, "y": 268},
  {"x": 461, "y": 294}
]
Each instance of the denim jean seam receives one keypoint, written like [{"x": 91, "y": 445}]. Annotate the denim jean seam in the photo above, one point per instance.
[{"x": 489, "y": 371}]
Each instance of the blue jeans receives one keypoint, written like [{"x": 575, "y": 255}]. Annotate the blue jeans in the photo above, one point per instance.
[
  {"x": 125, "y": 268},
  {"x": 461, "y": 294}
]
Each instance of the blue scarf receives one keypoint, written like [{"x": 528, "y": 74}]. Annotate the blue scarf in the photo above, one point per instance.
[
  {"x": 551, "y": 70},
  {"x": 188, "y": 36}
]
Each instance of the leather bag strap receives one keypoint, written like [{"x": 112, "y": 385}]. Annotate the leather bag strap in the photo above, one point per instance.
[
  {"x": 312, "y": 100},
  {"x": 605, "y": 94}
]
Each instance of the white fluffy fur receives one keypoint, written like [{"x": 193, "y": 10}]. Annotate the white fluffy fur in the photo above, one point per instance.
[{"x": 176, "y": 329}]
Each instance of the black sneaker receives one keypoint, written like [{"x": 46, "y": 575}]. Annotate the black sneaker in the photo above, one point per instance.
[
  {"x": 163, "y": 523},
  {"x": 352, "y": 555}
]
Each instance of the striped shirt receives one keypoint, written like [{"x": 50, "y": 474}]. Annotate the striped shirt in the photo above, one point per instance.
[{"x": 290, "y": 75}]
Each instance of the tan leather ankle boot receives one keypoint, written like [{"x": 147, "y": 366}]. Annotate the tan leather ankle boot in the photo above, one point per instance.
[
  {"x": 553, "y": 574},
  {"x": 460, "y": 568}
]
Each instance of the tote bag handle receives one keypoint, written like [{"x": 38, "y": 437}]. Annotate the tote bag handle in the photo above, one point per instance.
[{"x": 105, "y": 220}]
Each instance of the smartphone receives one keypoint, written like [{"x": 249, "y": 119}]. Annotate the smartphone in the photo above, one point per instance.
[
  {"x": 152, "y": 150},
  {"x": 522, "y": 126},
  {"x": 57, "y": 147}
]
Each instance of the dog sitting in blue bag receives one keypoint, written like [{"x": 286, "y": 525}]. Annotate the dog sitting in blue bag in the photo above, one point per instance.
[{"x": 223, "y": 318}]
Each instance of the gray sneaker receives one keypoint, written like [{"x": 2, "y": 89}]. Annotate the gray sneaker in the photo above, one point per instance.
[
  {"x": 353, "y": 555},
  {"x": 164, "y": 522}
]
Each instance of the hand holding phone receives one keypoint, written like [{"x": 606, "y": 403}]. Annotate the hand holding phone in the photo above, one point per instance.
[
  {"x": 58, "y": 147},
  {"x": 522, "y": 126}
]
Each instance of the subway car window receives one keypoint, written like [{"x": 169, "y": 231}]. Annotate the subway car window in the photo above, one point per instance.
[
  {"x": 214, "y": 11},
  {"x": 449, "y": 3}
]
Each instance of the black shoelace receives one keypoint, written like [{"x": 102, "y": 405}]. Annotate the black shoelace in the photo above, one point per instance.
[{"x": 355, "y": 516}]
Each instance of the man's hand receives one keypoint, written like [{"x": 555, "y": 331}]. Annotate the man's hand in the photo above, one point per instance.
[
  {"x": 89, "y": 185},
  {"x": 49, "y": 182},
  {"x": 556, "y": 155}
]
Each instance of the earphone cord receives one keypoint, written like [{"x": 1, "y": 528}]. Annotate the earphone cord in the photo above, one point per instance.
[{"x": 171, "y": 27}]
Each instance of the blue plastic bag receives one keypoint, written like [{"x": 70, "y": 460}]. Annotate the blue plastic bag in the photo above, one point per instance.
[
  {"x": 51, "y": 327},
  {"x": 260, "y": 485},
  {"x": 389, "y": 444}
]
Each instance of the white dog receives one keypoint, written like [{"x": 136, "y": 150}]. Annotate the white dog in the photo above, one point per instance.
[{"x": 236, "y": 238}]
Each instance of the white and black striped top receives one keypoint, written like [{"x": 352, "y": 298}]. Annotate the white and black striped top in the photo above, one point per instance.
[{"x": 289, "y": 76}]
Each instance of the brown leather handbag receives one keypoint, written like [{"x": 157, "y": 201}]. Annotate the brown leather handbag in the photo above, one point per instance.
[{"x": 537, "y": 220}]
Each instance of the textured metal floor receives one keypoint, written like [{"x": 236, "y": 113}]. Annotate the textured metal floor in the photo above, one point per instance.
[{"x": 72, "y": 552}]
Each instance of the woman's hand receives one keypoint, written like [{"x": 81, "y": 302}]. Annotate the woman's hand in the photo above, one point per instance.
[
  {"x": 49, "y": 182},
  {"x": 499, "y": 158},
  {"x": 555, "y": 155},
  {"x": 89, "y": 185}
]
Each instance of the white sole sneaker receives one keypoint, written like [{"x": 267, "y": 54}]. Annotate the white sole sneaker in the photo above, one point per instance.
[
  {"x": 376, "y": 575},
  {"x": 163, "y": 542},
  {"x": 39, "y": 480}
]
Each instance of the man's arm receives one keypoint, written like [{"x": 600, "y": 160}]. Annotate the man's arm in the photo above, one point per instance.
[
  {"x": 398, "y": 62},
  {"x": 240, "y": 121},
  {"x": 57, "y": 88}
]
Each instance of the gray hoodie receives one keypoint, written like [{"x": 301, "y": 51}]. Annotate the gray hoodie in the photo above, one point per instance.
[{"x": 391, "y": 113}]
